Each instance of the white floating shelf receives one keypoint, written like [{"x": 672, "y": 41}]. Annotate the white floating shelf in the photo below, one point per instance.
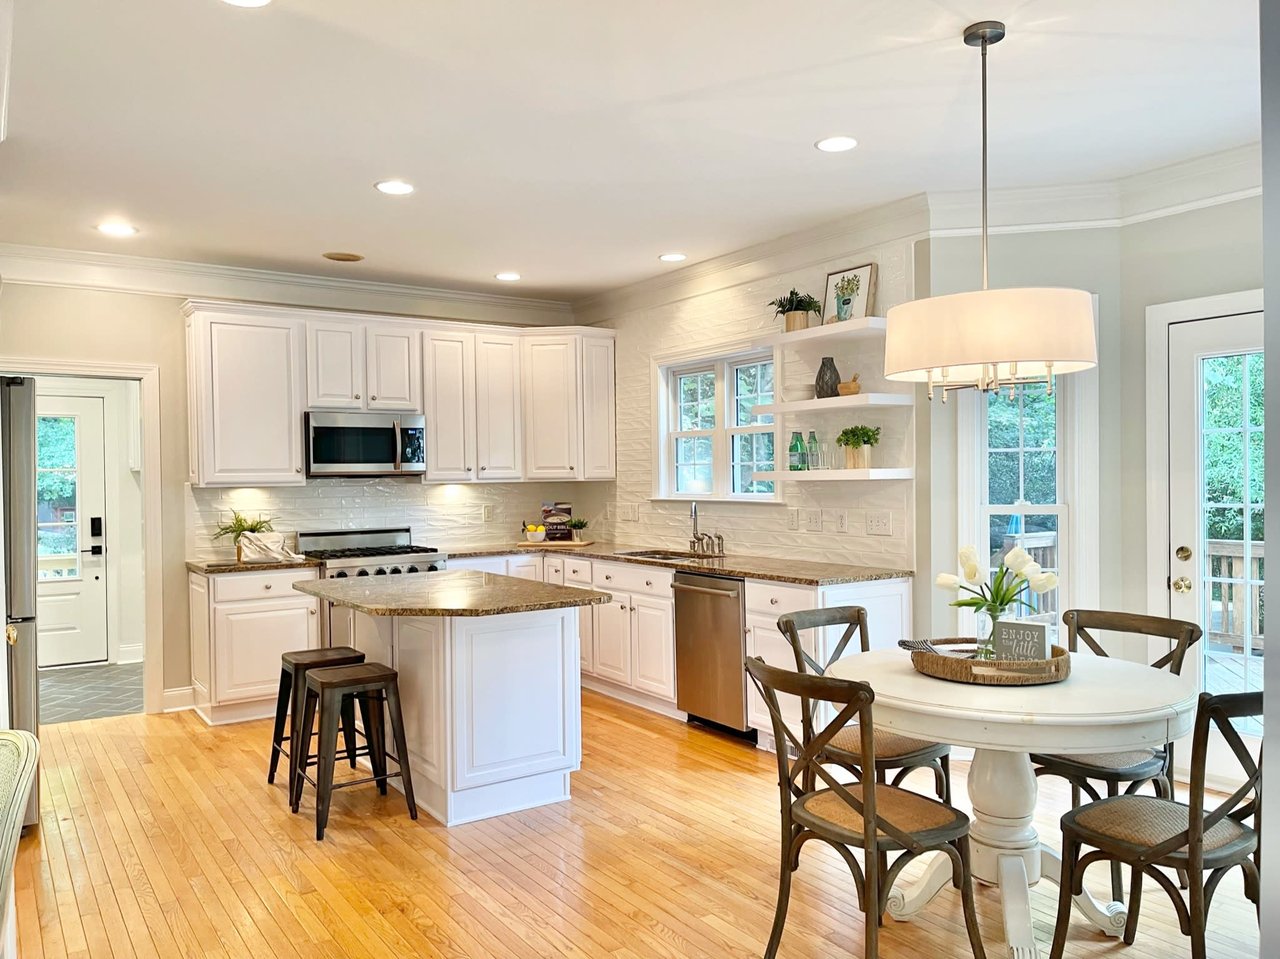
[
  {"x": 868, "y": 326},
  {"x": 833, "y": 476},
  {"x": 838, "y": 403}
]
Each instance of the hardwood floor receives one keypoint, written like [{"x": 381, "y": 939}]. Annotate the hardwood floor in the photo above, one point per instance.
[{"x": 160, "y": 837}]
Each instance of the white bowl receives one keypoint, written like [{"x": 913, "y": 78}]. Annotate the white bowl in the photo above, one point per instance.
[{"x": 535, "y": 537}]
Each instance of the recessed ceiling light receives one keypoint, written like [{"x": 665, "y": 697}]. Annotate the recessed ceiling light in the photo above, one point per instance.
[
  {"x": 836, "y": 144},
  {"x": 673, "y": 258},
  {"x": 394, "y": 187},
  {"x": 343, "y": 257},
  {"x": 117, "y": 228},
  {"x": 506, "y": 277},
  {"x": 247, "y": 3}
]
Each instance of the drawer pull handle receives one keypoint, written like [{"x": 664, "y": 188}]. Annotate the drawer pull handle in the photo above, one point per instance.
[
  {"x": 607, "y": 577},
  {"x": 648, "y": 582},
  {"x": 773, "y": 601}
]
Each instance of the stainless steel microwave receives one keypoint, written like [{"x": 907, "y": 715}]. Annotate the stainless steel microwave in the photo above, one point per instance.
[{"x": 366, "y": 444}]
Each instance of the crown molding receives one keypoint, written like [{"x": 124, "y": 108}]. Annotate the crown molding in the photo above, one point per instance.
[
  {"x": 122, "y": 273},
  {"x": 900, "y": 219}
]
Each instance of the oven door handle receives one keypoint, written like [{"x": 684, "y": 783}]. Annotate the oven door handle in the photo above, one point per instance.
[{"x": 722, "y": 593}]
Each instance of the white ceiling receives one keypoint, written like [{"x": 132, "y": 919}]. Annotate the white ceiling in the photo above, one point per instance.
[{"x": 575, "y": 140}]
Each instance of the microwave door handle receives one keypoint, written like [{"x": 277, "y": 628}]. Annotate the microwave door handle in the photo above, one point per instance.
[{"x": 399, "y": 445}]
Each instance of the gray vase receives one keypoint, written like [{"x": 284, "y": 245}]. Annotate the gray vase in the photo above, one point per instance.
[{"x": 827, "y": 383}]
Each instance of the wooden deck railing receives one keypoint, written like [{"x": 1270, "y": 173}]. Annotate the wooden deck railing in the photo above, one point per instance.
[{"x": 1233, "y": 605}]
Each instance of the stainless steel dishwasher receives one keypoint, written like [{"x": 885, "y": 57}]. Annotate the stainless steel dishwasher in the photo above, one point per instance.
[{"x": 711, "y": 647}]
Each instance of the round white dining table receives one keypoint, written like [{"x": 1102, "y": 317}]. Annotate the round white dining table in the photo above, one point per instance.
[{"x": 1105, "y": 705}]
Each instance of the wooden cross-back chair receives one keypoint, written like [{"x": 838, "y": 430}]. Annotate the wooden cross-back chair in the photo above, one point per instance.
[
  {"x": 894, "y": 752},
  {"x": 875, "y": 817},
  {"x": 1147, "y": 832}
]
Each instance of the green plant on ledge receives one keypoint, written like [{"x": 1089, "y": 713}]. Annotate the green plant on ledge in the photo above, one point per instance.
[
  {"x": 795, "y": 302},
  {"x": 241, "y": 524},
  {"x": 577, "y": 523},
  {"x": 856, "y": 436}
]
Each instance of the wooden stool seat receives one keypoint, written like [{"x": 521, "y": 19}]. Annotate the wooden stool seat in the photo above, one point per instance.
[
  {"x": 294, "y": 667},
  {"x": 334, "y": 690}
]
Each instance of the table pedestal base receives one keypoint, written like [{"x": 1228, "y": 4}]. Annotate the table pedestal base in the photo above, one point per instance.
[{"x": 1007, "y": 853}]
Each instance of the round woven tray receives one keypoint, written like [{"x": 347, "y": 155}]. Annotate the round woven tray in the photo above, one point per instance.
[{"x": 992, "y": 672}]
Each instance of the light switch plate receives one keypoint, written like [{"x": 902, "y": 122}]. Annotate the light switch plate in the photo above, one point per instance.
[
  {"x": 488, "y": 513},
  {"x": 629, "y": 512},
  {"x": 793, "y": 519},
  {"x": 879, "y": 522},
  {"x": 813, "y": 520},
  {"x": 842, "y": 520}
]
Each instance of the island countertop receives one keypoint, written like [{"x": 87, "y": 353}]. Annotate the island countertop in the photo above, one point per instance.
[{"x": 449, "y": 593}]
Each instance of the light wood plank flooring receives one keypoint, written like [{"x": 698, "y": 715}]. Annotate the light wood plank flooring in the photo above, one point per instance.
[{"x": 160, "y": 837}]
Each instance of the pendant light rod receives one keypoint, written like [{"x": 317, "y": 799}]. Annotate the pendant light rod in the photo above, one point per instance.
[{"x": 982, "y": 35}]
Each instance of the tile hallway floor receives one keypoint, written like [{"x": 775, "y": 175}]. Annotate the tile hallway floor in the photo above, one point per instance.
[{"x": 89, "y": 692}]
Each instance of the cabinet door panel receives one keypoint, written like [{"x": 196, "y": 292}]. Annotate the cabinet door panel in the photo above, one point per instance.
[
  {"x": 393, "y": 369},
  {"x": 599, "y": 425},
  {"x": 420, "y": 664},
  {"x": 198, "y": 611},
  {"x": 552, "y": 414},
  {"x": 498, "y": 427},
  {"x": 888, "y": 606},
  {"x": 766, "y": 641},
  {"x": 374, "y": 636},
  {"x": 252, "y": 422},
  {"x": 449, "y": 359},
  {"x": 525, "y": 567},
  {"x": 335, "y": 366},
  {"x": 613, "y": 639},
  {"x": 484, "y": 564},
  {"x": 248, "y": 640},
  {"x": 654, "y": 645}
]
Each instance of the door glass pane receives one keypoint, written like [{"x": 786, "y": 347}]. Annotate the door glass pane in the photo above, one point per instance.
[
  {"x": 57, "y": 486},
  {"x": 1232, "y": 483}
]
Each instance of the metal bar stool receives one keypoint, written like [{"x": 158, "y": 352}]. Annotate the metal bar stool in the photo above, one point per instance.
[
  {"x": 293, "y": 679},
  {"x": 331, "y": 689}
]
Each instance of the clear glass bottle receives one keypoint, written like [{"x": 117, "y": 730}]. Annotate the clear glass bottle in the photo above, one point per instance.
[
  {"x": 813, "y": 452},
  {"x": 797, "y": 453}
]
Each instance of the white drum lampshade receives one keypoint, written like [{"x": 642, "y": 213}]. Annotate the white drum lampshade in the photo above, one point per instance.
[{"x": 964, "y": 339}]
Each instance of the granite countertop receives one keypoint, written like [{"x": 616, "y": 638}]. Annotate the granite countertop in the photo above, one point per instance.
[
  {"x": 449, "y": 593},
  {"x": 771, "y": 568},
  {"x": 208, "y": 567}
]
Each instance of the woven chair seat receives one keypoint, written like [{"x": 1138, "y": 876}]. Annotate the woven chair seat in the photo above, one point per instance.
[
  {"x": 1130, "y": 761},
  {"x": 826, "y": 813},
  {"x": 889, "y": 745},
  {"x": 1146, "y": 821}
]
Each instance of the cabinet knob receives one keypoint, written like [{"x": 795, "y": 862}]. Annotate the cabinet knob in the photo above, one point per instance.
[
  {"x": 267, "y": 586},
  {"x": 373, "y": 397},
  {"x": 483, "y": 468},
  {"x": 357, "y": 396},
  {"x": 313, "y": 612},
  {"x": 468, "y": 469},
  {"x": 570, "y": 469},
  {"x": 297, "y": 469},
  {"x": 607, "y": 577},
  {"x": 773, "y": 601},
  {"x": 648, "y": 582}
]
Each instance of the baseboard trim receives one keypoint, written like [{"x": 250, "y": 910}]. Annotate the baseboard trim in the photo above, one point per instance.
[{"x": 176, "y": 700}]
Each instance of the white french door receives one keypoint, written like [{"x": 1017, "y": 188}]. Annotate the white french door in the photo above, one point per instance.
[
  {"x": 71, "y": 589},
  {"x": 1216, "y": 552}
]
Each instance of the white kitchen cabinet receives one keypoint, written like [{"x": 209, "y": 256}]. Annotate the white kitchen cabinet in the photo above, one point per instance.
[
  {"x": 552, "y": 410},
  {"x": 335, "y": 366},
  {"x": 599, "y": 415},
  {"x": 766, "y": 641},
  {"x": 241, "y": 623},
  {"x": 393, "y": 368},
  {"x": 483, "y": 564},
  {"x": 419, "y": 649},
  {"x": 613, "y": 639},
  {"x": 653, "y": 646},
  {"x": 449, "y": 361},
  {"x": 246, "y": 376},
  {"x": 499, "y": 446},
  {"x": 553, "y": 570},
  {"x": 525, "y": 567}
]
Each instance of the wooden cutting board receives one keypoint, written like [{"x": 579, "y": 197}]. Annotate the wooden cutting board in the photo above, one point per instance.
[{"x": 557, "y": 545}]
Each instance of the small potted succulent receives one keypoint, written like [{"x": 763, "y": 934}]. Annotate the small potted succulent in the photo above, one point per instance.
[
  {"x": 576, "y": 525},
  {"x": 795, "y": 308},
  {"x": 857, "y": 442},
  {"x": 239, "y": 525}
]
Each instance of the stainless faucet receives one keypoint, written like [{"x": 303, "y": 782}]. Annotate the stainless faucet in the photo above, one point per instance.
[{"x": 704, "y": 544}]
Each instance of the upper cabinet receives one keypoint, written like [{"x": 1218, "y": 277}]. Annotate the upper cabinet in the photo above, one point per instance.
[
  {"x": 245, "y": 377},
  {"x": 498, "y": 428},
  {"x": 569, "y": 417},
  {"x": 363, "y": 366}
]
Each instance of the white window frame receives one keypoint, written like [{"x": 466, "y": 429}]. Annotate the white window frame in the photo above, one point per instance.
[{"x": 667, "y": 371}]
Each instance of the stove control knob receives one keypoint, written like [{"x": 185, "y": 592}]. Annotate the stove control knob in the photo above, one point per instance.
[
  {"x": 395, "y": 570},
  {"x": 411, "y": 569},
  {"x": 340, "y": 574},
  {"x": 380, "y": 571},
  {"x": 363, "y": 572}
]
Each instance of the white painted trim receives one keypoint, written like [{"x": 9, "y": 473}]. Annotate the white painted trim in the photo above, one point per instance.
[
  {"x": 178, "y": 699},
  {"x": 6, "y": 59},
  {"x": 148, "y": 375},
  {"x": 121, "y": 273},
  {"x": 1160, "y": 317},
  {"x": 969, "y": 474}
]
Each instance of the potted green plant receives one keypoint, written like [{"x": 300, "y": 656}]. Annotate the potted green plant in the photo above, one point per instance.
[
  {"x": 576, "y": 525},
  {"x": 857, "y": 442},
  {"x": 1017, "y": 575},
  {"x": 241, "y": 524},
  {"x": 795, "y": 308}
]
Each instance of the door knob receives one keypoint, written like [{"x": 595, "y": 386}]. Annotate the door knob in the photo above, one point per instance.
[
  {"x": 1182, "y": 585},
  {"x": 11, "y": 634},
  {"x": 1183, "y": 553}
]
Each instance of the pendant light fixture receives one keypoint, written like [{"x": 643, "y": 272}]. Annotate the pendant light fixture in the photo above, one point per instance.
[{"x": 989, "y": 339}]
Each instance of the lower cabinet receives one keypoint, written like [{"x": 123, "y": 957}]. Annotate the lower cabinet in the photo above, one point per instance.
[
  {"x": 613, "y": 640},
  {"x": 241, "y": 624},
  {"x": 653, "y": 644},
  {"x": 766, "y": 641},
  {"x": 633, "y": 637},
  {"x": 522, "y": 565}
]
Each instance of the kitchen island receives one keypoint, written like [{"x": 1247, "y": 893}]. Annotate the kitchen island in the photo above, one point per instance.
[{"x": 489, "y": 682}]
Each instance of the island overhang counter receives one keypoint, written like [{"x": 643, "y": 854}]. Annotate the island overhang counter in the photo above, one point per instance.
[{"x": 489, "y": 682}]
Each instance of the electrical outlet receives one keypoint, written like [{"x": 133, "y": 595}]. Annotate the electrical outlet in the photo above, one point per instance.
[
  {"x": 629, "y": 512},
  {"x": 793, "y": 519},
  {"x": 488, "y": 513},
  {"x": 813, "y": 520},
  {"x": 879, "y": 522},
  {"x": 842, "y": 520}
]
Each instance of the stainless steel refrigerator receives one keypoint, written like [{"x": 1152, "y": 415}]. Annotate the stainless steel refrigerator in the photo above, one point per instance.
[{"x": 18, "y": 476}]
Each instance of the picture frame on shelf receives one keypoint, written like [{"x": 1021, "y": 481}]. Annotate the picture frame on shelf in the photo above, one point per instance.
[{"x": 850, "y": 294}]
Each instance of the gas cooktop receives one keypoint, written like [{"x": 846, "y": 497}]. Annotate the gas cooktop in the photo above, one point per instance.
[{"x": 360, "y": 552}]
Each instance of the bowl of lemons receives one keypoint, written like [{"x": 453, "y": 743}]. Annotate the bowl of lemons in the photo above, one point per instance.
[{"x": 535, "y": 534}]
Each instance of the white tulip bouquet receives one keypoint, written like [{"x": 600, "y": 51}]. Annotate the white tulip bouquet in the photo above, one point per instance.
[{"x": 1017, "y": 575}]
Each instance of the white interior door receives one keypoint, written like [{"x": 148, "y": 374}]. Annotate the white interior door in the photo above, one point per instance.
[
  {"x": 1216, "y": 548},
  {"x": 71, "y": 493}
]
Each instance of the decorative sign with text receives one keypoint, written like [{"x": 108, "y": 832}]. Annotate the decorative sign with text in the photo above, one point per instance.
[{"x": 1021, "y": 641}]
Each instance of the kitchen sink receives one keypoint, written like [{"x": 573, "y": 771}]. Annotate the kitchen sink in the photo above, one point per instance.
[{"x": 675, "y": 554}]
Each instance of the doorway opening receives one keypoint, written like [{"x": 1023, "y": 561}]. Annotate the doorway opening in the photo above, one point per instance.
[{"x": 90, "y": 607}]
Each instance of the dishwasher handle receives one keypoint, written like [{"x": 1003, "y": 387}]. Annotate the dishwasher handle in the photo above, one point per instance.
[{"x": 723, "y": 593}]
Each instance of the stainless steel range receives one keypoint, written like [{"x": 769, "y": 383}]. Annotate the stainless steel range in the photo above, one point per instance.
[{"x": 369, "y": 552}]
